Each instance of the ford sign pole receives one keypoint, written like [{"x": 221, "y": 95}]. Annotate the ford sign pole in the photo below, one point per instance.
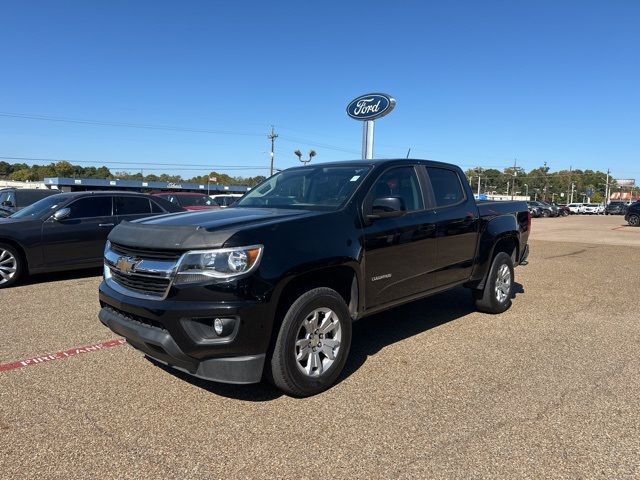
[
  {"x": 367, "y": 108},
  {"x": 367, "y": 139}
]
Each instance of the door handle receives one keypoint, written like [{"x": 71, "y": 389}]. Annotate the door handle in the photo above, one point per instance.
[{"x": 106, "y": 224}]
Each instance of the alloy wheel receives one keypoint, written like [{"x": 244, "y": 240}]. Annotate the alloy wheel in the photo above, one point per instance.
[
  {"x": 318, "y": 342},
  {"x": 503, "y": 283},
  {"x": 8, "y": 266}
]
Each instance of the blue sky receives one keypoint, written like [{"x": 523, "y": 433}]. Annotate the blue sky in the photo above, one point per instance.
[{"x": 477, "y": 83}]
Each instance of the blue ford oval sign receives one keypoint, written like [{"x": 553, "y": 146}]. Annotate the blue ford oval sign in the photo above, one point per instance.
[{"x": 371, "y": 106}]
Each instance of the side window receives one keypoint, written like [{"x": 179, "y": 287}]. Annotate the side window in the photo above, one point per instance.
[
  {"x": 132, "y": 205},
  {"x": 401, "y": 182},
  {"x": 155, "y": 208},
  {"x": 446, "y": 185},
  {"x": 91, "y": 207}
]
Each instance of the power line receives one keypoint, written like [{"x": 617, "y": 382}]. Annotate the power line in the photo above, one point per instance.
[{"x": 125, "y": 124}]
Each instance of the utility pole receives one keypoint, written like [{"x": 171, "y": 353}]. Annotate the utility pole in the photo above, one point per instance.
[
  {"x": 570, "y": 185},
  {"x": 573, "y": 185},
  {"x": 546, "y": 182},
  {"x": 272, "y": 137},
  {"x": 606, "y": 189},
  {"x": 513, "y": 187}
]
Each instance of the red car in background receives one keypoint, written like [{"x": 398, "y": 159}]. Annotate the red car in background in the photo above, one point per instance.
[{"x": 189, "y": 200}]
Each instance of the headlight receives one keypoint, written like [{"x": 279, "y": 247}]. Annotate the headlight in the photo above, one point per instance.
[{"x": 221, "y": 264}]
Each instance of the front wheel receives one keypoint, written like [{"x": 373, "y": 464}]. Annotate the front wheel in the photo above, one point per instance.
[
  {"x": 312, "y": 345},
  {"x": 634, "y": 220},
  {"x": 11, "y": 265},
  {"x": 545, "y": 214},
  {"x": 496, "y": 296}
]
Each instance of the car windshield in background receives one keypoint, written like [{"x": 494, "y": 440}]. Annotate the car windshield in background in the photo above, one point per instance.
[
  {"x": 38, "y": 209},
  {"x": 195, "y": 201},
  {"x": 307, "y": 187}
]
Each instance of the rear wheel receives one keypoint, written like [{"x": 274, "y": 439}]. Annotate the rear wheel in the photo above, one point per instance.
[
  {"x": 634, "y": 220},
  {"x": 312, "y": 345},
  {"x": 496, "y": 296},
  {"x": 11, "y": 265}
]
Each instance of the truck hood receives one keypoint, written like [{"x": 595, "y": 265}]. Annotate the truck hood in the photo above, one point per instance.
[{"x": 204, "y": 229}]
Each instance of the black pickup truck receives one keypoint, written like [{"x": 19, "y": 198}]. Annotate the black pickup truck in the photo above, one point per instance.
[{"x": 270, "y": 287}]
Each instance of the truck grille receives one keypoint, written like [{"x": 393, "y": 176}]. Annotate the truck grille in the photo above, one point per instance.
[
  {"x": 145, "y": 253},
  {"x": 146, "y": 285}
]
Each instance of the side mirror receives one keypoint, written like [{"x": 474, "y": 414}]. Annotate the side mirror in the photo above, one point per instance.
[
  {"x": 61, "y": 214},
  {"x": 385, "y": 207},
  {"x": 7, "y": 203}
]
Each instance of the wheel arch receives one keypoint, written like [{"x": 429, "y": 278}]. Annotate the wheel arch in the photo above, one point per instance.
[
  {"x": 344, "y": 279},
  {"x": 21, "y": 252}
]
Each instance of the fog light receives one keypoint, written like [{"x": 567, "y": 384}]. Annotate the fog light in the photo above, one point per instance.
[
  {"x": 218, "y": 326},
  {"x": 224, "y": 326}
]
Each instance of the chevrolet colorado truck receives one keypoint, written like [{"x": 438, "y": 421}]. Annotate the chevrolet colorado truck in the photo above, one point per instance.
[{"x": 269, "y": 288}]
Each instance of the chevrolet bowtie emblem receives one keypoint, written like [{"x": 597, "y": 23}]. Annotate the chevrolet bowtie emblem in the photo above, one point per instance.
[{"x": 127, "y": 264}]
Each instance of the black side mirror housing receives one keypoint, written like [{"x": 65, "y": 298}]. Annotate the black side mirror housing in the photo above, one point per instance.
[{"x": 386, "y": 207}]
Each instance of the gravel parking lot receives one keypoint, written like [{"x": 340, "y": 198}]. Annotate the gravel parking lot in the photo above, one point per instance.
[{"x": 432, "y": 389}]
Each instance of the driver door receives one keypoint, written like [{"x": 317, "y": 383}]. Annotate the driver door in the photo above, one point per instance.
[
  {"x": 79, "y": 238},
  {"x": 400, "y": 251}
]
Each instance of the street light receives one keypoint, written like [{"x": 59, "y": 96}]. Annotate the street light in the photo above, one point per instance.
[{"x": 526, "y": 189}]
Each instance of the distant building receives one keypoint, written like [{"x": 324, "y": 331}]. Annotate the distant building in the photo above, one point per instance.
[
  {"x": 83, "y": 184},
  {"x": 14, "y": 184}
]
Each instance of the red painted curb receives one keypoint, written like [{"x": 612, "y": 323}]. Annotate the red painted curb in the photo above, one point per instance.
[{"x": 4, "y": 367}]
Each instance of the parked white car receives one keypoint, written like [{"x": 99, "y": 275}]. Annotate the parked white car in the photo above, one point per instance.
[
  {"x": 224, "y": 200},
  {"x": 592, "y": 209},
  {"x": 576, "y": 208}
]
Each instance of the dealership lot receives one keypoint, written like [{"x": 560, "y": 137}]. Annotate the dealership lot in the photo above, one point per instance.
[{"x": 432, "y": 389}]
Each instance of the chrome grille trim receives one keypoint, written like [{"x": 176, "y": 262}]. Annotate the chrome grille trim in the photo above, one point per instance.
[{"x": 148, "y": 279}]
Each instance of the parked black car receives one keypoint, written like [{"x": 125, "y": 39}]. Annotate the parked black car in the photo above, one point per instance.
[
  {"x": 633, "y": 214},
  {"x": 563, "y": 210},
  {"x": 616, "y": 208},
  {"x": 271, "y": 286},
  {"x": 67, "y": 231},
  {"x": 545, "y": 209},
  {"x": 14, "y": 199},
  {"x": 533, "y": 210}
]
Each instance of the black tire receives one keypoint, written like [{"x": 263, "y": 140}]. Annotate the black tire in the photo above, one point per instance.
[
  {"x": 19, "y": 265},
  {"x": 284, "y": 371},
  {"x": 634, "y": 220},
  {"x": 545, "y": 213},
  {"x": 487, "y": 300}
]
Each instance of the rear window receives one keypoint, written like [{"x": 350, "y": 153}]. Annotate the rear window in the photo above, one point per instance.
[
  {"x": 447, "y": 188},
  {"x": 27, "y": 197}
]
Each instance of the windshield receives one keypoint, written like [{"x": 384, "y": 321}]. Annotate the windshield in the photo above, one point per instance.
[
  {"x": 194, "y": 201},
  {"x": 308, "y": 187},
  {"x": 41, "y": 207}
]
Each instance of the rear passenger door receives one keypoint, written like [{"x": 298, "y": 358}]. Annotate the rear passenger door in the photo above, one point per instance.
[{"x": 457, "y": 225}]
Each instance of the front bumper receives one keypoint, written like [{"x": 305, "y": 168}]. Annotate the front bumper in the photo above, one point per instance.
[{"x": 179, "y": 334}]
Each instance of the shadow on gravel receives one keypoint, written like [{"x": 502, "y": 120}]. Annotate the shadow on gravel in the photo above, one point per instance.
[
  {"x": 58, "y": 276},
  {"x": 370, "y": 335}
]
